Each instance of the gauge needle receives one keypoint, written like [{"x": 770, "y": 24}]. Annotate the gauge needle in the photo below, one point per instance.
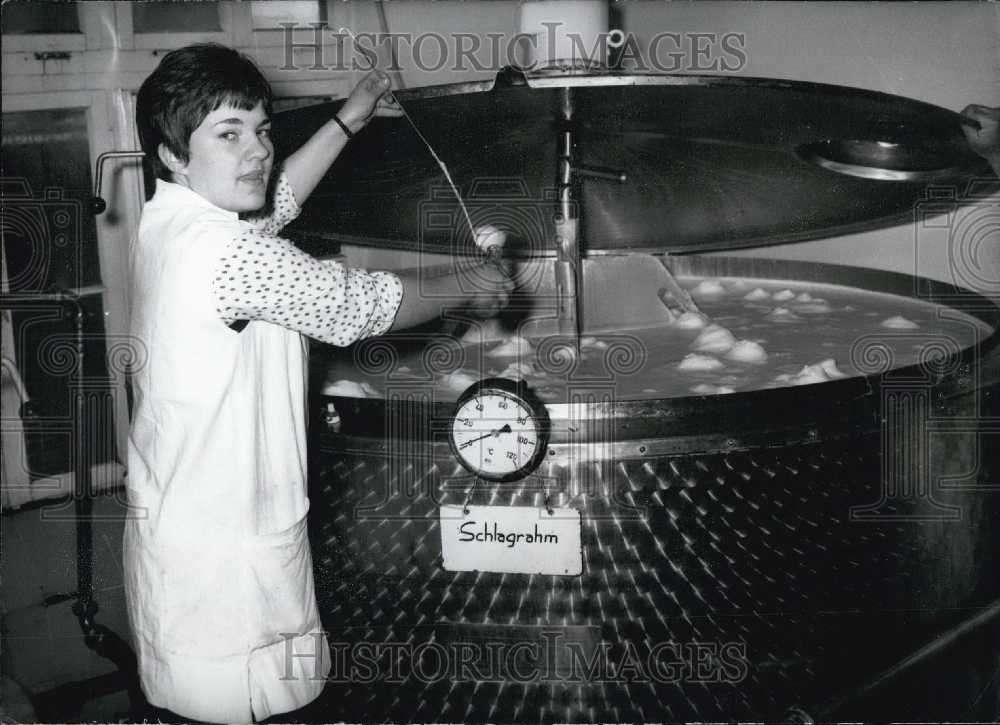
[{"x": 495, "y": 434}]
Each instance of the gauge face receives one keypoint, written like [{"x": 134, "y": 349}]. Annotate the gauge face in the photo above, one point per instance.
[{"x": 499, "y": 431}]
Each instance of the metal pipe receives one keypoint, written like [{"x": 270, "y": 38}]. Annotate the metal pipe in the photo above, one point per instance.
[
  {"x": 111, "y": 155},
  {"x": 101, "y": 639},
  {"x": 565, "y": 168},
  {"x": 97, "y": 202},
  {"x": 568, "y": 265},
  {"x": 85, "y": 606}
]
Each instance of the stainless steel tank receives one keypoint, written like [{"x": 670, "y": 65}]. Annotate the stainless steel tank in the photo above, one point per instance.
[
  {"x": 742, "y": 554},
  {"x": 786, "y": 542}
]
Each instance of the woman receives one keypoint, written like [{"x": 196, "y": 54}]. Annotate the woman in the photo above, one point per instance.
[{"x": 218, "y": 572}]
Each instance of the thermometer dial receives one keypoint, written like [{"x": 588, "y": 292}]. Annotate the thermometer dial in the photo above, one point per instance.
[{"x": 499, "y": 430}]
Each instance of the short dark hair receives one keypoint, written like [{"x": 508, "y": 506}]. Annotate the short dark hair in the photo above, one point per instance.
[{"x": 187, "y": 85}]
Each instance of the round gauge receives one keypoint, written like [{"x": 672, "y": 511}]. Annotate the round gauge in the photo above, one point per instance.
[{"x": 499, "y": 430}]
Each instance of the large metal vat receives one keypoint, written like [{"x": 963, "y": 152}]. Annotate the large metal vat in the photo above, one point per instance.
[{"x": 742, "y": 553}]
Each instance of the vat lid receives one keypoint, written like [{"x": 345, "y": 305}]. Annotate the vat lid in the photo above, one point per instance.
[{"x": 712, "y": 163}]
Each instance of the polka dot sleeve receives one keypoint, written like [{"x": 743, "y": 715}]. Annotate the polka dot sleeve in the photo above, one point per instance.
[
  {"x": 263, "y": 277},
  {"x": 286, "y": 209}
]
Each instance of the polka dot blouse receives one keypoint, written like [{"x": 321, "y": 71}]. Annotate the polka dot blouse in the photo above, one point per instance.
[{"x": 264, "y": 277}]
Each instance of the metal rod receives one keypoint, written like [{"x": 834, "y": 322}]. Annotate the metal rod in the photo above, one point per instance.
[
  {"x": 565, "y": 169},
  {"x": 829, "y": 708},
  {"x": 568, "y": 266},
  {"x": 601, "y": 172},
  {"x": 567, "y": 263},
  {"x": 82, "y": 490},
  {"x": 680, "y": 295},
  {"x": 18, "y": 300}
]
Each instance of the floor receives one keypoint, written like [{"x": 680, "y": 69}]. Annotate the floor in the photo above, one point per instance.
[
  {"x": 51, "y": 675},
  {"x": 45, "y": 659}
]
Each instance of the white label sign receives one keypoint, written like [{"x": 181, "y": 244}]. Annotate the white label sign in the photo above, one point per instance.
[{"x": 511, "y": 539}]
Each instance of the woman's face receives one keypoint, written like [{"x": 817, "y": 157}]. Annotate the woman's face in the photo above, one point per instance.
[{"x": 229, "y": 158}]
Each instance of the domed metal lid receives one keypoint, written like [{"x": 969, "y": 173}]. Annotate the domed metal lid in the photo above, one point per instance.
[{"x": 711, "y": 163}]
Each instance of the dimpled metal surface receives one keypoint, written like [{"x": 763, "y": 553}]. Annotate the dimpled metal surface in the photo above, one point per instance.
[{"x": 756, "y": 548}]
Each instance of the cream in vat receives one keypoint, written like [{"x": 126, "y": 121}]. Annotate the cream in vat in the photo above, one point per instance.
[{"x": 751, "y": 334}]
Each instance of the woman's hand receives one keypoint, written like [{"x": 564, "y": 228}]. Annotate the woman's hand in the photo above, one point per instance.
[
  {"x": 480, "y": 289},
  {"x": 985, "y": 140},
  {"x": 371, "y": 97},
  {"x": 491, "y": 290},
  {"x": 307, "y": 166}
]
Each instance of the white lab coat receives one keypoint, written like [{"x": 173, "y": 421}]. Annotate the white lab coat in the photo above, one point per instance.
[{"x": 218, "y": 573}]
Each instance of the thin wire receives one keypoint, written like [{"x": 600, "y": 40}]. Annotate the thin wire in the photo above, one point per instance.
[{"x": 440, "y": 163}]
